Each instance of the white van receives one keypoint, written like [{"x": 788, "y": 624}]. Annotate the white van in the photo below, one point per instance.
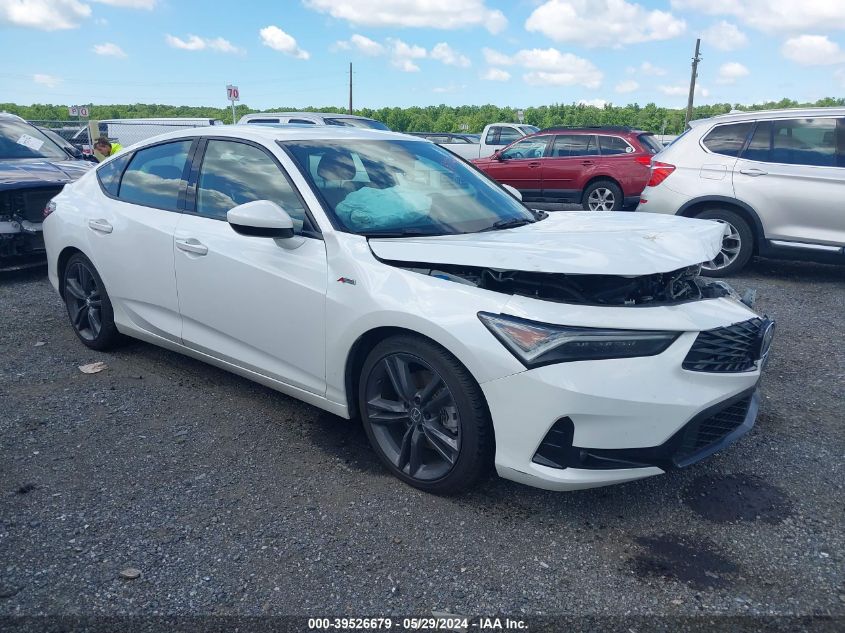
[{"x": 312, "y": 118}]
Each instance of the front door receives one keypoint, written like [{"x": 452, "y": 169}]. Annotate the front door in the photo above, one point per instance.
[
  {"x": 520, "y": 166},
  {"x": 253, "y": 301}
]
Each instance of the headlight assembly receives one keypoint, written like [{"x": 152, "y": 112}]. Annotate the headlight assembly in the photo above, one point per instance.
[{"x": 537, "y": 344}]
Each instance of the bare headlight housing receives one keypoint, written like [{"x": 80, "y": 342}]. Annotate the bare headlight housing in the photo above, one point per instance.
[{"x": 537, "y": 344}]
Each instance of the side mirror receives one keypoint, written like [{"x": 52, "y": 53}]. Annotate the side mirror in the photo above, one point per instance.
[
  {"x": 498, "y": 155},
  {"x": 261, "y": 218},
  {"x": 513, "y": 191}
]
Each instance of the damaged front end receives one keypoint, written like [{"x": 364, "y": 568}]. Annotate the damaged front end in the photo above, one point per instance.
[
  {"x": 21, "y": 214},
  {"x": 678, "y": 286}
]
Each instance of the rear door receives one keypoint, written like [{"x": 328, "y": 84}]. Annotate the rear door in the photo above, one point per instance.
[
  {"x": 793, "y": 174},
  {"x": 132, "y": 235},
  {"x": 572, "y": 161},
  {"x": 627, "y": 165},
  {"x": 520, "y": 166}
]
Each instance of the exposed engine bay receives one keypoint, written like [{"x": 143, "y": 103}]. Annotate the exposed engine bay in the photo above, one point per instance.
[{"x": 674, "y": 287}]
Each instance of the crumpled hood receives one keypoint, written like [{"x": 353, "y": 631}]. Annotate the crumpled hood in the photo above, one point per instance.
[
  {"x": 26, "y": 172},
  {"x": 574, "y": 242}
]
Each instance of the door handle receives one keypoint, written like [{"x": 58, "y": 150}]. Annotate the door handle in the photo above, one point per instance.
[
  {"x": 534, "y": 164},
  {"x": 100, "y": 225},
  {"x": 588, "y": 162},
  {"x": 192, "y": 245},
  {"x": 753, "y": 172}
]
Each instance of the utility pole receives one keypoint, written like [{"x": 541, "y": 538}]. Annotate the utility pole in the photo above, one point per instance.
[
  {"x": 350, "y": 87},
  {"x": 695, "y": 61}
]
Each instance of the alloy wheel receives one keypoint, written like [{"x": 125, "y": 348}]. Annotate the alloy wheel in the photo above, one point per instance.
[
  {"x": 731, "y": 247},
  {"x": 84, "y": 302},
  {"x": 413, "y": 416},
  {"x": 601, "y": 199}
]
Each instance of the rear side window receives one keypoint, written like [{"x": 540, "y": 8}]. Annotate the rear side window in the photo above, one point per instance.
[
  {"x": 110, "y": 173},
  {"x": 154, "y": 176},
  {"x": 611, "y": 145},
  {"x": 651, "y": 144},
  {"x": 264, "y": 120},
  {"x": 804, "y": 142},
  {"x": 302, "y": 121},
  {"x": 727, "y": 139},
  {"x": 568, "y": 145}
]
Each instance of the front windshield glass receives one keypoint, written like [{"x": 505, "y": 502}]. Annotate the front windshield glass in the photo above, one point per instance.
[
  {"x": 367, "y": 124},
  {"x": 21, "y": 140},
  {"x": 394, "y": 187}
]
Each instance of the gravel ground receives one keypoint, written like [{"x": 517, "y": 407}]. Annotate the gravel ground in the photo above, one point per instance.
[{"x": 230, "y": 498}]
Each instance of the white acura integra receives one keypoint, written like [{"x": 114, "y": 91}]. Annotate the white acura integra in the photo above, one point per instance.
[{"x": 374, "y": 274}]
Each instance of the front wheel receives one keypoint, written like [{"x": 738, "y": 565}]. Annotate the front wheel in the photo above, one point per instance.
[
  {"x": 425, "y": 415},
  {"x": 737, "y": 244},
  {"x": 602, "y": 195}
]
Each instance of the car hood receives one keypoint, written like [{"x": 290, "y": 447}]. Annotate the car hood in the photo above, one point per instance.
[
  {"x": 576, "y": 242},
  {"x": 26, "y": 172}
]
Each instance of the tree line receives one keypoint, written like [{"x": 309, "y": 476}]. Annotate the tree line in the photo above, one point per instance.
[{"x": 440, "y": 118}]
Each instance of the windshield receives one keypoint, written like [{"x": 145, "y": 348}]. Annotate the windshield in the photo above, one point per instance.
[
  {"x": 529, "y": 129},
  {"x": 21, "y": 140},
  {"x": 395, "y": 188},
  {"x": 368, "y": 124}
]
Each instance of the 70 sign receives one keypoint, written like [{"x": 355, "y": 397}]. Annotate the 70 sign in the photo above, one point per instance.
[{"x": 232, "y": 93}]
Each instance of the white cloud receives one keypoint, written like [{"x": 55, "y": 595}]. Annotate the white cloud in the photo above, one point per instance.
[
  {"x": 813, "y": 50},
  {"x": 437, "y": 14},
  {"x": 730, "y": 72},
  {"x": 495, "y": 58},
  {"x": 646, "y": 68},
  {"x": 278, "y": 40},
  {"x": 444, "y": 53},
  {"x": 602, "y": 22},
  {"x": 46, "y": 15},
  {"x": 130, "y": 4},
  {"x": 495, "y": 74},
  {"x": 627, "y": 85},
  {"x": 197, "y": 43},
  {"x": 403, "y": 54},
  {"x": 108, "y": 50},
  {"x": 724, "y": 36},
  {"x": 774, "y": 15},
  {"x": 594, "y": 103},
  {"x": 682, "y": 90},
  {"x": 362, "y": 44},
  {"x": 47, "y": 80}
]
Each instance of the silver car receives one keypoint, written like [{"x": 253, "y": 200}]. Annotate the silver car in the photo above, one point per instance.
[{"x": 775, "y": 179}]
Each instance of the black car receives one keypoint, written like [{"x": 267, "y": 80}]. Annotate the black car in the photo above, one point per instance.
[{"x": 33, "y": 169}]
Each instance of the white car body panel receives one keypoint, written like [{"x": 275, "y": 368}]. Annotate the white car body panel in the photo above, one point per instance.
[
  {"x": 570, "y": 242},
  {"x": 483, "y": 149},
  {"x": 288, "y": 315}
]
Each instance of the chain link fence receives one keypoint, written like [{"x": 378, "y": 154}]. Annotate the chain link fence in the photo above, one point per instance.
[{"x": 82, "y": 135}]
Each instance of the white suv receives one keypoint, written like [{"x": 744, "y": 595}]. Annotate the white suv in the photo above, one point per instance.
[{"x": 775, "y": 178}]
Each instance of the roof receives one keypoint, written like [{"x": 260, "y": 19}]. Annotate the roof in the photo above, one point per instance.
[
  {"x": 334, "y": 115},
  {"x": 270, "y": 134},
  {"x": 593, "y": 129},
  {"x": 754, "y": 115}
]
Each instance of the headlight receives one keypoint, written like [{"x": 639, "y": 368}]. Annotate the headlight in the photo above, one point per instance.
[{"x": 537, "y": 344}]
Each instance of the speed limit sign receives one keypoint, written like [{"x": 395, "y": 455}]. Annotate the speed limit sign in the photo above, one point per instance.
[{"x": 232, "y": 93}]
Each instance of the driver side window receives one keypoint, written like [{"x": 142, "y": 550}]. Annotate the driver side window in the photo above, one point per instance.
[
  {"x": 234, "y": 173},
  {"x": 532, "y": 148}
]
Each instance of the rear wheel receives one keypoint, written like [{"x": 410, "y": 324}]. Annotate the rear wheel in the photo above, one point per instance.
[
  {"x": 602, "y": 195},
  {"x": 88, "y": 305},
  {"x": 737, "y": 243},
  {"x": 424, "y": 415}
]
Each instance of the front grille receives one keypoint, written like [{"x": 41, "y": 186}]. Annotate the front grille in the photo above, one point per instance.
[
  {"x": 700, "y": 434},
  {"x": 726, "y": 349},
  {"x": 27, "y": 204}
]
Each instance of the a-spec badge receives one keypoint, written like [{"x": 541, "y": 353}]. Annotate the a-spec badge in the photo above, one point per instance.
[{"x": 347, "y": 280}]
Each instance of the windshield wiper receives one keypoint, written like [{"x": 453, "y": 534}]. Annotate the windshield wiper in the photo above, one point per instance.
[
  {"x": 402, "y": 233},
  {"x": 509, "y": 223}
]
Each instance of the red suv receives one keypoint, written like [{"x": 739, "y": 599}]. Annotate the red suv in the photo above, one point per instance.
[{"x": 604, "y": 169}]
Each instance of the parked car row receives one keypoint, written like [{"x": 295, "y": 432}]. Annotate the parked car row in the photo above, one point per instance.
[{"x": 376, "y": 275}]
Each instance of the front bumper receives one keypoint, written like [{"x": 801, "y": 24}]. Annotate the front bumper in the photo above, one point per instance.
[{"x": 630, "y": 411}]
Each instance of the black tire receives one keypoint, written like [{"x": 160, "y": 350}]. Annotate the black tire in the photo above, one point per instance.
[
  {"x": 88, "y": 305},
  {"x": 415, "y": 427},
  {"x": 737, "y": 246},
  {"x": 605, "y": 191}
]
